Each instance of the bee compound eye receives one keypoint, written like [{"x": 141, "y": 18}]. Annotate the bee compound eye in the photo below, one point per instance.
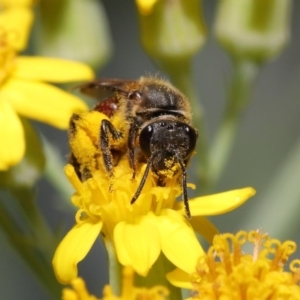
[
  {"x": 145, "y": 140},
  {"x": 192, "y": 135}
]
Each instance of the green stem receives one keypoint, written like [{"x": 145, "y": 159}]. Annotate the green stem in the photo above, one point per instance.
[
  {"x": 41, "y": 235},
  {"x": 22, "y": 243},
  {"x": 239, "y": 94},
  {"x": 157, "y": 276},
  {"x": 181, "y": 75},
  {"x": 54, "y": 172},
  {"x": 37, "y": 225},
  {"x": 114, "y": 267}
]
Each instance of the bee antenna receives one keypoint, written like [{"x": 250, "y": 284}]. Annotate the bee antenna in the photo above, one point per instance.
[
  {"x": 184, "y": 188},
  {"x": 142, "y": 183}
]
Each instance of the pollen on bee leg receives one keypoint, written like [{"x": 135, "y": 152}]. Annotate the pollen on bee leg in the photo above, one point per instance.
[
  {"x": 111, "y": 184},
  {"x": 133, "y": 179}
]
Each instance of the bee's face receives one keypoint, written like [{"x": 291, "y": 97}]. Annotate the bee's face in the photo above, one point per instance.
[{"x": 167, "y": 140}]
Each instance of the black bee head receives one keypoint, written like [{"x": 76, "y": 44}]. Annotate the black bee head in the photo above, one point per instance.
[{"x": 167, "y": 142}]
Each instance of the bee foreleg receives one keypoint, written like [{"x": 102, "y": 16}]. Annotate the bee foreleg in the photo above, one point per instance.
[
  {"x": 143, "y": 181},
  {"x": 184, "y": 189},
  {"x": 106, "y": 129},
  {"x": 131, "y": 147}
]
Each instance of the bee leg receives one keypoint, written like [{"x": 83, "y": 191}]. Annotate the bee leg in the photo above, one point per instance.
[
  {"x": 106, "y": 129},
  {"x": 83, "y": 172},
  {"x": 72, "y": 135},
  {"x": 131, "y": 147},
  {"x": 143, "y": 181},
  {"x": 72, "y": 125},
  {"x": 184, "y": 190}
]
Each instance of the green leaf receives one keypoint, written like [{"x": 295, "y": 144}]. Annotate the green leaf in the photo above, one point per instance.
[{"x": 28, "y": 171}]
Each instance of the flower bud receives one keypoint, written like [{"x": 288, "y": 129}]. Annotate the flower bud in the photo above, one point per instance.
[
  {"x": 73, "y": 29},
  {"x": 171, "y": 30},
  {"x": 256, "y": 30}
]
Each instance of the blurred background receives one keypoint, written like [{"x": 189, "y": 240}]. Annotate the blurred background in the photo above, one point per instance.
[{"x": 266, "y": 154}]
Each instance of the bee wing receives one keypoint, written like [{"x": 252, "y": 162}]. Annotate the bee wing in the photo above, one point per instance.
[{"x": 101, "y": 88}]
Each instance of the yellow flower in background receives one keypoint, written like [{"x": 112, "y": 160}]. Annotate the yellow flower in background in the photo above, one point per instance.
[
  {"x": 22, "y": 88},
  {"x": 16, "y": 3},
  {"x": 145, "y": 7},
  {"x": 155, "y": 223},
  {"x": 227, "y": 271},
  {"x": 78, "y": 291},
  {"x": 129, "y": 291},
  {"x": 15, "y": 26}
]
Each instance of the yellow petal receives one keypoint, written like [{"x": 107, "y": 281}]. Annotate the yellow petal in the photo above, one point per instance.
[
  {"x": 14, "y": 3},
  {"x": 178, "y": 240},
  {"x": 11, "y": 136},
  {"x": 51, "y": 69},
  {"x": 73, "y": 248},
  {"x": 42, "y": 102},
  {"x": 203, "y": 226},
  {"x": 217, "y": 203},
  {"x": 15, "y": 24},
  {"x": 180, "y": 279},
  {"x": 137, "y": 245}
]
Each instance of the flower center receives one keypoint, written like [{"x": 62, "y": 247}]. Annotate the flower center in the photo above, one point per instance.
[
  {"x": 109, "y": 200},
  {"x": 226, "y": 271}
]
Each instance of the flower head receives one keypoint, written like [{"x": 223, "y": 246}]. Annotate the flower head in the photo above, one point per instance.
[
  {"x": 227, "y": 272},
  {"x": 22, "y": 90},
  {"x": 129, "y": 291},
  {"x": 155, "y": 223}
]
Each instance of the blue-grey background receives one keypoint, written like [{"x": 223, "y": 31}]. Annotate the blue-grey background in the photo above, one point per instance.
[{"x": 267, "y": 138}]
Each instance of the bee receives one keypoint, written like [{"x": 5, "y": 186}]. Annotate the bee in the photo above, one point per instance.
[{"x": 150, "y": 120}]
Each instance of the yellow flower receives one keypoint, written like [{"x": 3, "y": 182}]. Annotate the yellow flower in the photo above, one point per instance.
[
  {"x": 78, "y": 292},
  {"x": 145, "y": 6},
  {"x": 15, "y": 3},
  {"x": 129, "y": 291},
  {"x": 155, "y": 223},
  {"x": 227, "y": 272},
  {"x": 22, "y": 90},
  {"x": 15, "y": 26}
]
